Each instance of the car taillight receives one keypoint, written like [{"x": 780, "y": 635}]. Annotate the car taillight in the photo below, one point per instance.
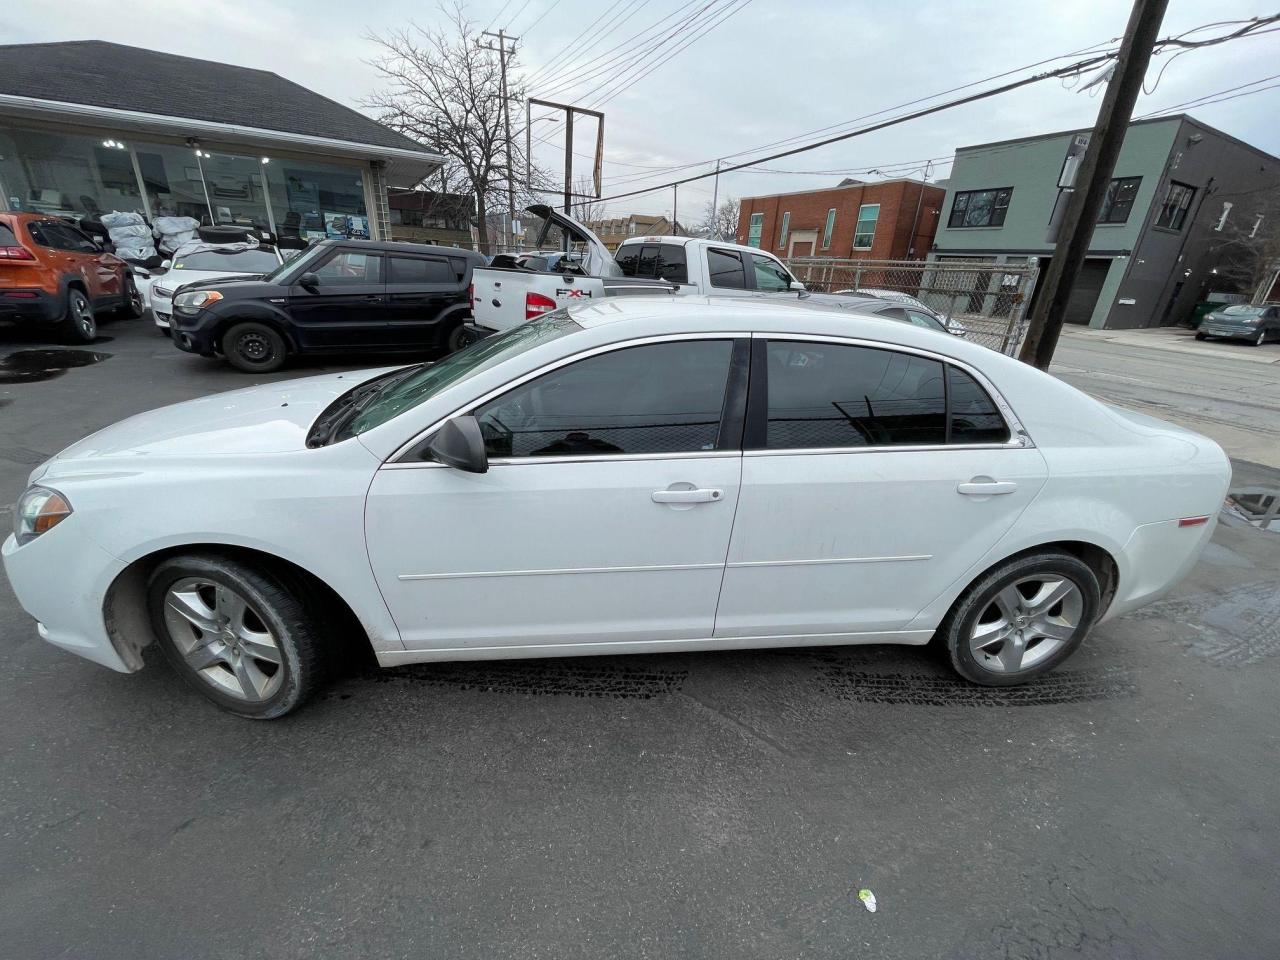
[
  {"x": 535, "y": 305},
  {"x": 471, "y": 298},
  {"x": 15, "y": 253}
]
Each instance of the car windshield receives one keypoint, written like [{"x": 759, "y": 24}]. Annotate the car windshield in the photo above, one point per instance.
[
  {"x": 1242, "y": 310},
  {"x": 434, "y": 377},
  {"x": 240, "y": 261},
  {"x": 294, "y": 266}
]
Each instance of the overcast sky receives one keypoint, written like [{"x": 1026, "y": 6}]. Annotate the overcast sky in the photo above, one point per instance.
[{"x": 766, "y": 71}]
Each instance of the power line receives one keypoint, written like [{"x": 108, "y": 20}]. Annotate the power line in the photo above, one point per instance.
[
  {"x": 498, "y": 16},
  {"x": 1208, "y": 98},
  {"x": 567, "y": 49},
  {"x": 540, "y": 17}
]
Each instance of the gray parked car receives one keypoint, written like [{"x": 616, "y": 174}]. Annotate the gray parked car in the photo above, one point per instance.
[{"x": 1242, "y": 321}]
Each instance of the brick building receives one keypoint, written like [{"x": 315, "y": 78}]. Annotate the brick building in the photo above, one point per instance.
[
  {"x": 617, "y": 229},
  {"x": 887, "y": 220}
]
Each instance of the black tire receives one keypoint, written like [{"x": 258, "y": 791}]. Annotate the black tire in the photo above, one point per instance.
[
  {"x": 165, "y": 331},
  {"x": 458, "y": 338},
  {"x": 304, "y": 658},
  {"x": 1259, "y": 339},
  {"x": 1202, "y": 336},
  {"x": 976, "y": 603},
  {"x": 79, "y": 326},
  {"x": 132, "y": 308},
  {"x": 254, "y": 347}
]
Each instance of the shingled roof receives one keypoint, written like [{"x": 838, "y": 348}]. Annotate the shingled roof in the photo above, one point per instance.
[{"x": 116, "y": 76}]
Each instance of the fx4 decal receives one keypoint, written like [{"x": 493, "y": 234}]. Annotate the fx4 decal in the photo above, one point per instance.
[{"x": 573, "y": 292}]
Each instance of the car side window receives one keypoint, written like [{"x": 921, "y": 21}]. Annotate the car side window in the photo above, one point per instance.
[
  {"x": 40, "y": 235},
  {"x": 825, "y": 395},
  {"x": 725, "y": 269},
  {"x": 628, "y": 258},
  {"x": 897, "y": 313},
  {"x": 672, "y": 265},
  {"x": 656, "y": 398},
  {"x": 350, "y": 267},
  {"x": 418, "y": 270},
  {"x": 769, "y": 274},
  {"x": 923, "y": 320},
  {"x": 973, "y": 417}
]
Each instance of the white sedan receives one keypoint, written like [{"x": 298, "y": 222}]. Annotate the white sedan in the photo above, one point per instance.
[
  {"x": 197, "y": 261},
  {"x": 626, "y": 477}
]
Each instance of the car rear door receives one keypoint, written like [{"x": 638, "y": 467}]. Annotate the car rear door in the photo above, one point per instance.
[
  {"x": 419, "y": 289},
  {"x": 603, "y": 518},
  {"x": 872, "y": 479},
  {"x": 346, "y": 307}
]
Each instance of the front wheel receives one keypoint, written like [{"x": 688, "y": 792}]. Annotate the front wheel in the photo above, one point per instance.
[
  {"x": 254, "y": 347},
  {"x": 1258, "y": 340},
  {"x": 78, "y": 323},
  {"x": 239, "y": 636},
  {"x": 132, "y": 308},
  {"x": 1022, "y": 619}
]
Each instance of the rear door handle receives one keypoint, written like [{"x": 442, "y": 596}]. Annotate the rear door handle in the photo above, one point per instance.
[
  {"x": 986, "y": 488},
  {"x": 373, "y": 298},
  {"x": 701, "y": 495}
]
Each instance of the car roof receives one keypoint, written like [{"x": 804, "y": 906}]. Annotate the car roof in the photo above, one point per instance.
[{"x": 401, "y": 246}]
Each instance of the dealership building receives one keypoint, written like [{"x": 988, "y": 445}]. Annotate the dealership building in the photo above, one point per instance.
[{"x": 89, "y": 127}]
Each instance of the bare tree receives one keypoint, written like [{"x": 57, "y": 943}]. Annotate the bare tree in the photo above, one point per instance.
[
  {"x": 586, "y": 208},
  {"x": 720, "y": 223},
  {"x": 445, "y": 90}
]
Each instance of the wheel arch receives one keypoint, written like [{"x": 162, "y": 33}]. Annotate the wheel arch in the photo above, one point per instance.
[
  {"x": 124, "y": 607},
  {"x": 276, "y": 320}
]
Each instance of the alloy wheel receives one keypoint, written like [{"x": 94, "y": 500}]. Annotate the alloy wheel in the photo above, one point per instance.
[
  {"x": 1026, "y": 622},
  {"x": 1262, "y": 335},
  {"x": 135, "y": 299},
  {"x": 223, "y": 639},
  {"x": 82, "y": 314}
]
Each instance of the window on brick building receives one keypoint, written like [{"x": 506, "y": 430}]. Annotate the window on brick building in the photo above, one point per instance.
[
  {"x": 865, "y": 231},
  {"x": 786, "y": 229},
  {"x": 980, "y": 208},
  {"x": 829, "y": 228},
  {"x": 755, "y": 230},
  {"x": 1173, "y": 212}
]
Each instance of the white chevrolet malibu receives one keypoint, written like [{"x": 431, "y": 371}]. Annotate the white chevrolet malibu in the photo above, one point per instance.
[{"x": 633, "y": 476}]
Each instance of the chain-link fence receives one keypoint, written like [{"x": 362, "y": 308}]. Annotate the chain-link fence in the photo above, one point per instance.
[{"x": 988, "y": 299}]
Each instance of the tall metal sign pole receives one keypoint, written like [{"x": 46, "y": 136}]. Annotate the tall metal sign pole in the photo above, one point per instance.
[
  {"x": 1093, "y": 179},
  {"x": 569, "y": 111},
  {"x": 503, "y": 53}
]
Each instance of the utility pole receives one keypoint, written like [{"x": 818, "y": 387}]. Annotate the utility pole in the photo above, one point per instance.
[
  {"x": 715, "y": 205},
  {"x": 915, "y": 224},
  {"x": 1093, "y": 178},
  {"x": 503, "y": 53},
  {"x": 675, "y": 205},
  {"x": 568, "y": 163}
]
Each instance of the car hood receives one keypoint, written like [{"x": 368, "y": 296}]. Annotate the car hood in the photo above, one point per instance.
[
  {"x": 212, "y": 278},
  {"x": 273, "y": 418},
  {"x": 245, "y": 287}
]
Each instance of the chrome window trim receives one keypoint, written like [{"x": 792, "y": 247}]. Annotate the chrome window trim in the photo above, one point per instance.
[
  {"x": 403, "y": 450},
  {"x": 1019, "y": 438}
]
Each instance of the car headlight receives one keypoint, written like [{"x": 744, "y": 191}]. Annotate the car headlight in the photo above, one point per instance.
[
  {"x": 197, "y": 299},
  {"x": 162, "y": 292},
  {"x": 39, "y": 510}
]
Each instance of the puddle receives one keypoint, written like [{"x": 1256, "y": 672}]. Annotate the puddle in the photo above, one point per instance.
[
  {"x": 1257, "y": 506},
  {"x": 30, "y": 366}
]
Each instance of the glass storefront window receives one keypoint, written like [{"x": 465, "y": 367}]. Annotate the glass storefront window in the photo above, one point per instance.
[
  {"x": 315, "y": 200},
  {"x": 172, "y": 178},
  {"x": 65, "y": 174},
  {"x": 236, "y": 190}
]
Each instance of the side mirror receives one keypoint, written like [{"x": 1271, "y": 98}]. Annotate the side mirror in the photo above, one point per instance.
[
  {"x": 142, "y": 272},
  {"x": 795, "y": 285},
  {"x": 460, "y": 444},
  {"x": 166, "y": 264},
  {"x": 309, "y": 280}
]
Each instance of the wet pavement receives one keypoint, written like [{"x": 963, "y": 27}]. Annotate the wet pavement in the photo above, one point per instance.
[{"x": 699, "y": 805}]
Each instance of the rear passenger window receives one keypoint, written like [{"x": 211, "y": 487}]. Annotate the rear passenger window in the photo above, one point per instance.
[
  {"x": 830, "y": 395},
  {"x": 38, "y": 235},
  {"x": 671, "y": 263},
  {"x": 419, "y": 270},
  {"x": 628, "y": 258},
  {"x": 648, "y": 265},
  {"x": 974, "y": 417},
  {"x": 725, "y": 269}
]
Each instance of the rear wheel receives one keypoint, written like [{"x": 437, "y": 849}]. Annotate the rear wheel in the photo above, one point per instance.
[
  {"x": 1022, "y": 619},
  {"x": 457, "y": 339},
  {"x": 1202, "y": 336},
  {"x": 238, "y": 635},
  {"x": 78, "y": 323},
  {"x": 254, "y": 347}
]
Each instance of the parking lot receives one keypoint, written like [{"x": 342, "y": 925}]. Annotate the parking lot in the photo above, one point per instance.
[{"x": 703, "y": 805}]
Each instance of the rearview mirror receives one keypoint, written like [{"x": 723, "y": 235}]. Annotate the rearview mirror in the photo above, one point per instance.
[
  {"x": 460, "y": 444},
  {"x": 309, "y": 280}
]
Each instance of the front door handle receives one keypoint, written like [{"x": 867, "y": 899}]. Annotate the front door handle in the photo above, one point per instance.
[
  {"x": 986, "y": 487},
  {"x": 372, "y": 298},
  {"x": 698, "y": 495}
]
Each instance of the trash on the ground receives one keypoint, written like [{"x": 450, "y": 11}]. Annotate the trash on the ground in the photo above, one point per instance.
[{"x": 868, "y": 900}]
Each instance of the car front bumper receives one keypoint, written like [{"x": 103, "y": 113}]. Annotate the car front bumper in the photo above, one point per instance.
[
  {"x": 61, "y": 579},
  {"x": 1234, "y": 333}
]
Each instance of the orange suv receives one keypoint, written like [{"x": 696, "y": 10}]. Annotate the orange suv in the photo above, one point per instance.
[{"x": 54, "y": 274}]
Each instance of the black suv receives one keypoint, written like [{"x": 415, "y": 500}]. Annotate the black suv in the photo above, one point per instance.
[{"x": 339, "y": 296}]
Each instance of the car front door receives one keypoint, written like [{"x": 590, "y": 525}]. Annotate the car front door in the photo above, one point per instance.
[
  {"x": 872, "y": 479},
  {"x": 346, "y": 306},
  {"x": 82, "y": 257},
  {"x": 419, "y": 290},
  {"x": 603, "y": 518}
]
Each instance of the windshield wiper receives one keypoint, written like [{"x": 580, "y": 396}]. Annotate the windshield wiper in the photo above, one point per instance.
[{"x": 342, "y": 410}]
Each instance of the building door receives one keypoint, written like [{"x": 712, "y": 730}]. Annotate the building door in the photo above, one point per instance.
[
  {"x": 802, "y": 248},
  {"x": 1084, "y": 293}
]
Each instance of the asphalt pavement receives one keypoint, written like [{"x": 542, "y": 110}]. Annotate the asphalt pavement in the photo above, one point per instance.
[{"x": 724, "y": 805}]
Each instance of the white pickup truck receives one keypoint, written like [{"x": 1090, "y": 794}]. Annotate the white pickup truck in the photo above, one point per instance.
[{"x": 504, "y": 296}]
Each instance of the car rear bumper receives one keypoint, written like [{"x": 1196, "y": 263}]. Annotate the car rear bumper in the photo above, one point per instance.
[
  {"x": 61, "y": 580},
  {"x": 30, "y": 304},
  {"x": 1233, "y": 333}
]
